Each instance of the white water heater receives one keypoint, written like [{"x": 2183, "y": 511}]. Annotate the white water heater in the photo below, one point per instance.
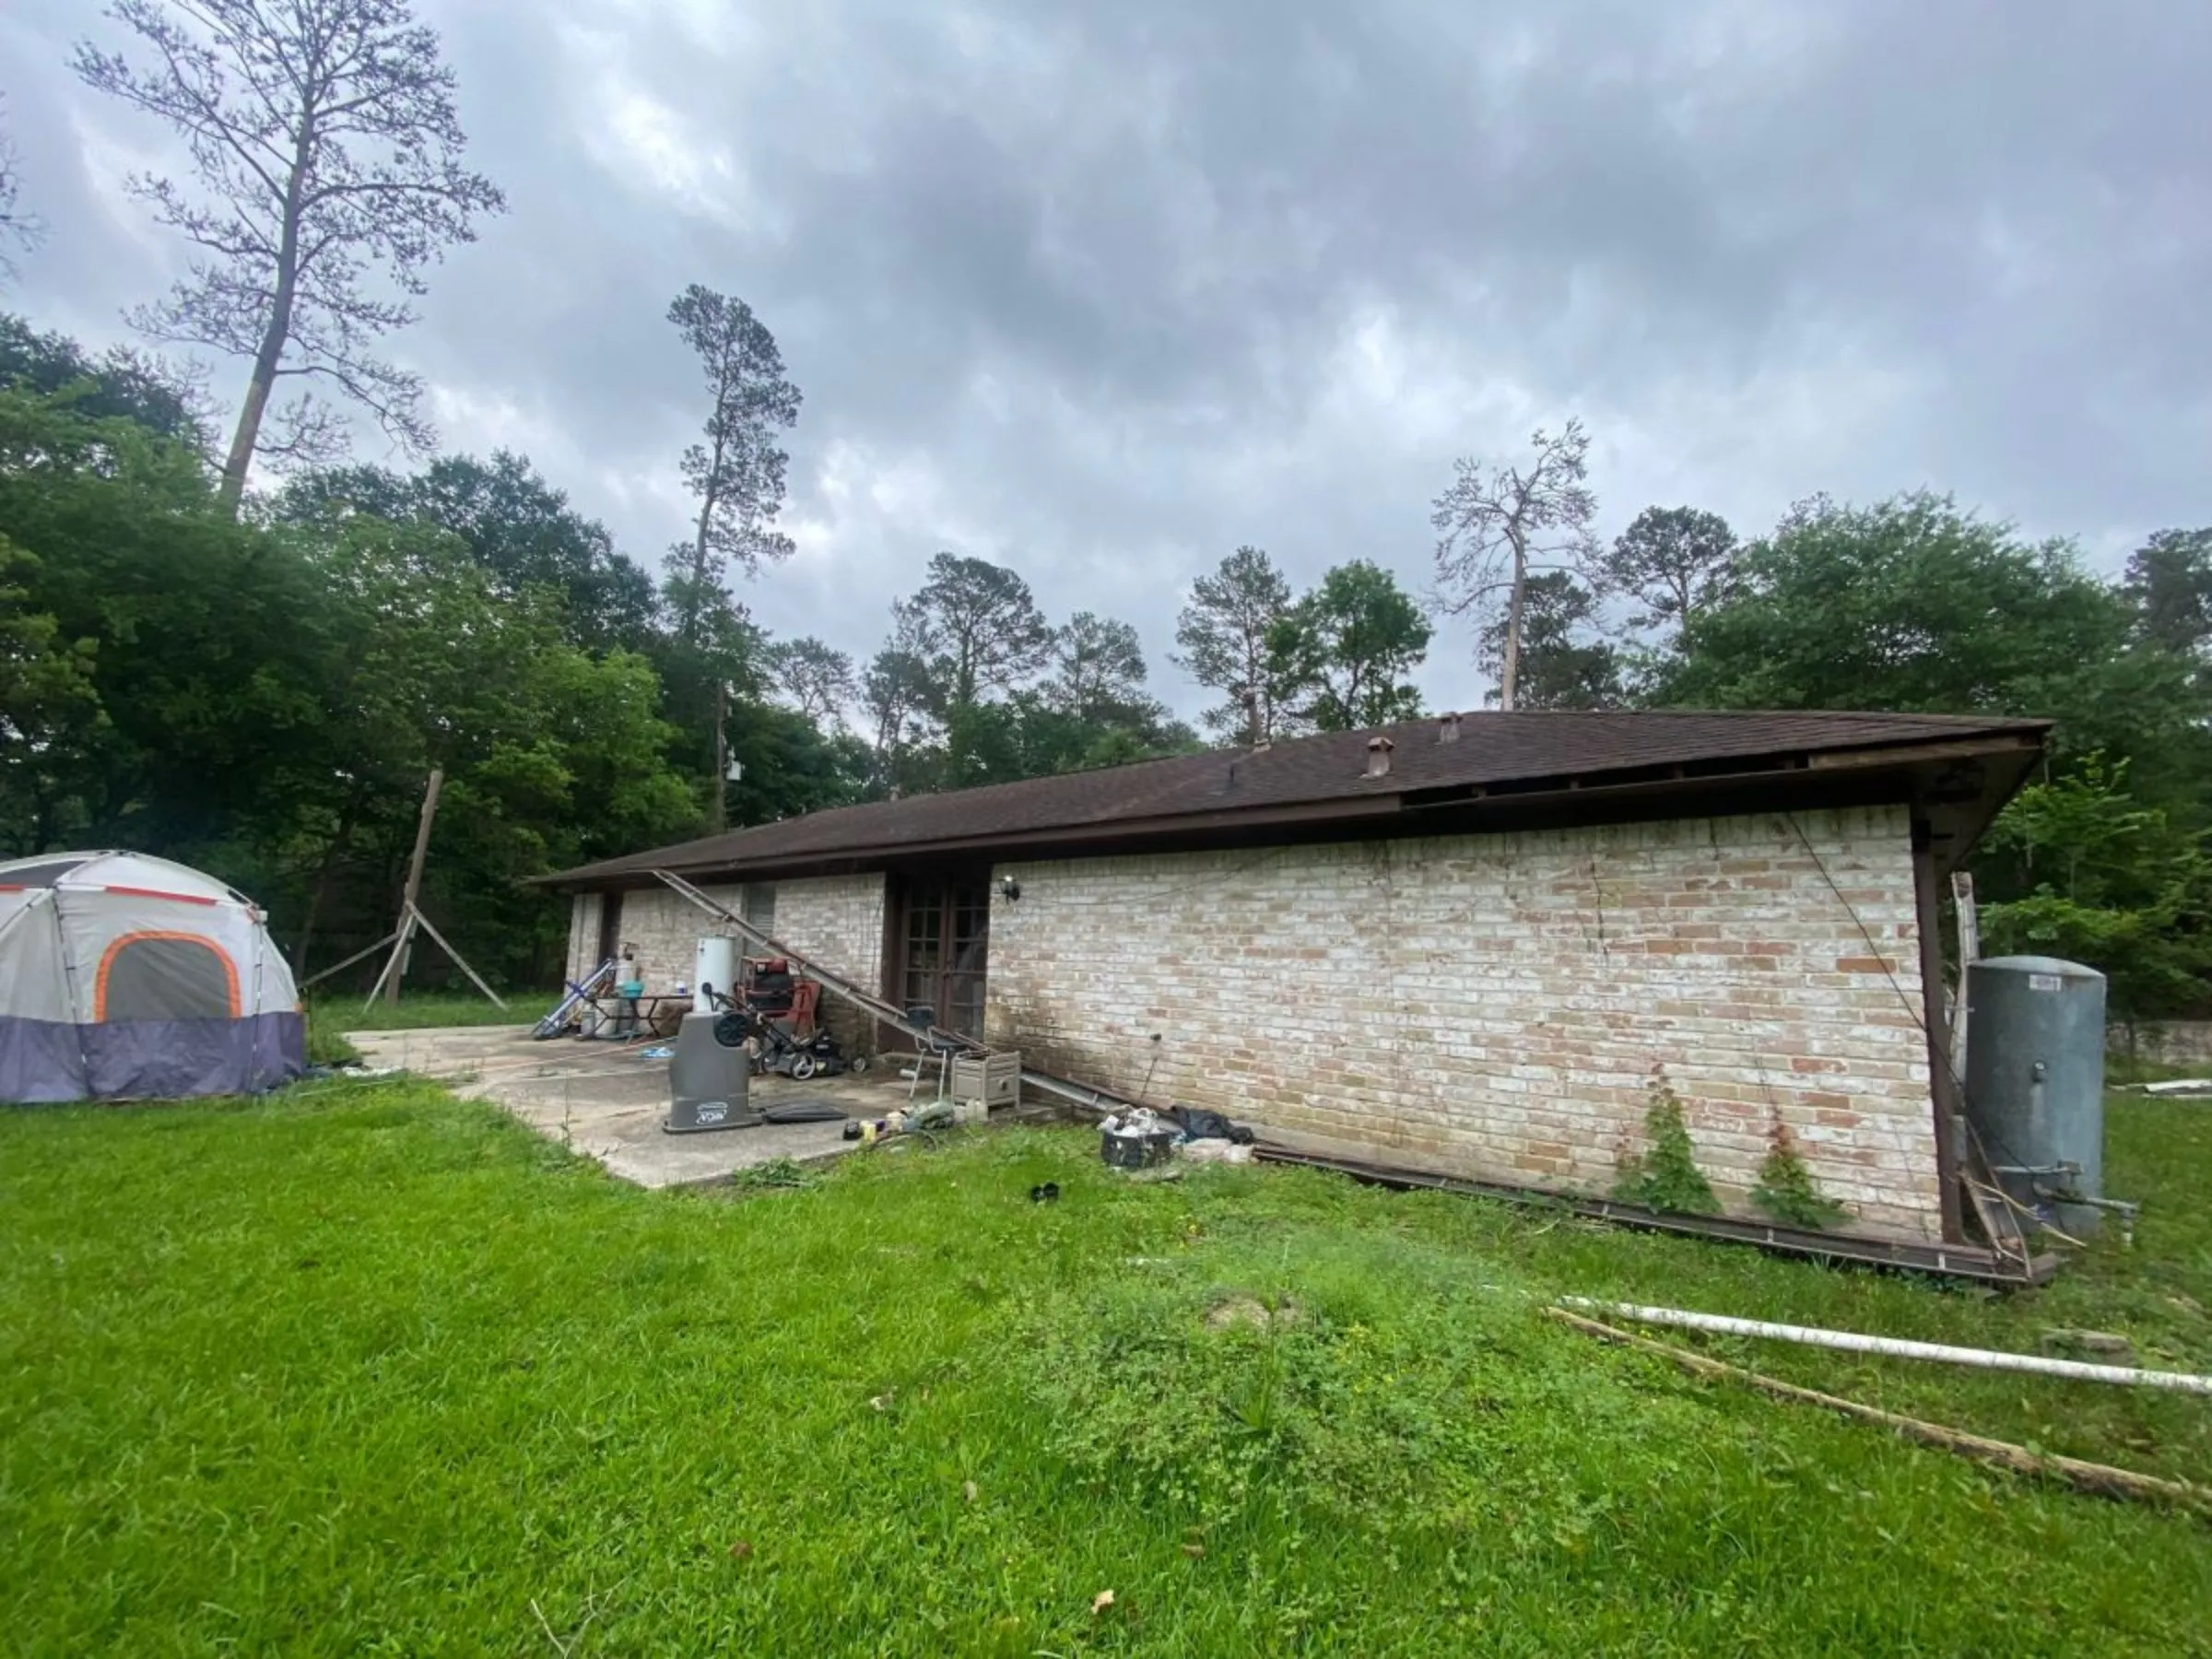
[{"x": 716, "y": 964}]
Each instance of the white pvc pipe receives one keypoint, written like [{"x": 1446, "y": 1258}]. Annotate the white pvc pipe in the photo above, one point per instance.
[{"x": 1897, "y": 1347}]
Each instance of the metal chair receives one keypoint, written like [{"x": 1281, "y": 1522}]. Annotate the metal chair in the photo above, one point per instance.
[{"x": 930, "y": 1046}]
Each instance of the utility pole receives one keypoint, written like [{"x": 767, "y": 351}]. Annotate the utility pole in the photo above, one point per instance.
[
  {"x": 719, "y": 818},
  {"x": 414, "y": 888}
]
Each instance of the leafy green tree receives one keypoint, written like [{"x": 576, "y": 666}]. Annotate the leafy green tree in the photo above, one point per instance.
[
  {"x": 1674, "y": 561},
  {"x": 1097, "y": 668},
  {"x": 120, "y": 382},
  {"x": 328, "y": 156},
  {"x": 514, "y": 523},
  {"x": 2170, "y": 583},
  {"x": 977, "y": 628},
  {"x": 1565, "y": 663},
  {"x": 1345, "y": 649},
  {"x": 1912, "y": 605},
  {"x": 2083, "y": 870},
  {"x": 1909, "y": 604},
  {"x": 1221, "y": 636},
  {"x": 206, "y": 644},
  {"x": 897, "y": 693},
  {"x": 50, "y": 711},
  {"x": 265, "y": 698}
]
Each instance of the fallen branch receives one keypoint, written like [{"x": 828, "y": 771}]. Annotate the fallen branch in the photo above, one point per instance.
[
  {"x": 1898, "y": 1347},
  {"x": 2101, "y": 1480}
]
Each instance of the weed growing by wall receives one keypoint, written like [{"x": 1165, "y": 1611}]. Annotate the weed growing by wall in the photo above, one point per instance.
[
  {"x": 1787, "y": 1190},
  {"x": 1665, "y": 1176}
]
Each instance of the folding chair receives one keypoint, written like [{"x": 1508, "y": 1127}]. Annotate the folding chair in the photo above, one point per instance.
[{"x": 928, "y": 1047}]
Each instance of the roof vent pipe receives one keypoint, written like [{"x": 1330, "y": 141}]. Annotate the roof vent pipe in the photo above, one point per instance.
[
  {"x": 1447, "y": 729},
  {"x": 1378, "y": 756}
]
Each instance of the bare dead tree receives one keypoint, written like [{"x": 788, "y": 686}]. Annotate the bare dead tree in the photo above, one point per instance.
[
  {"x": 1497, "y": 523},
  {"x": 19, "y": 231},
  {"x": 327, "y": 152}
]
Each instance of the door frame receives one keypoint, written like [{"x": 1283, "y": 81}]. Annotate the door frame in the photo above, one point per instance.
[
  {"x": 903, "y": 887},
  {"x": 610, "y": 930}
]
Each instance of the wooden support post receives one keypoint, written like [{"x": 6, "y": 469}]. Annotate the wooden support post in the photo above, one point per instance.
[
  {"x": 1970, "y": 950},
  {"x": 1943, "y": 1084},
  {"x": 461, "y": 961},
  {"x": 407, "y": 899},
  {"x": 390, "y": 976},
  {"x": 314, "y": 979}
]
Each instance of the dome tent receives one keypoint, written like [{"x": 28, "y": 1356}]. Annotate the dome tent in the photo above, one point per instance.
[{"x": 127, "y": 977}]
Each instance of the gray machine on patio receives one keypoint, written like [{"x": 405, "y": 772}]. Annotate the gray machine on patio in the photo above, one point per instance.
[{"x": 710, "y": 1080}]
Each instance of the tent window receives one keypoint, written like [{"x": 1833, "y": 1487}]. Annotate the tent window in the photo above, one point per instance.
[{"x": 165, "y": 976}]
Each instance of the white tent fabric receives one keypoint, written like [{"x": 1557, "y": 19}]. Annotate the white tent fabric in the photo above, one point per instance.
[{"x": 125, "y": 976}]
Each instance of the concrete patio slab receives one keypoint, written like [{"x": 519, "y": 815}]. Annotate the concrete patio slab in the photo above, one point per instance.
[{"x": 607, "y": 1100}]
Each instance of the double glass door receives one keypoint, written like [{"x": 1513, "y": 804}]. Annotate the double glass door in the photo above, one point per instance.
[{"x": 944, "y": 935}]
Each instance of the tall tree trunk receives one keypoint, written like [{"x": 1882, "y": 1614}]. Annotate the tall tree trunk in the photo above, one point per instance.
[
  {"x": 695, "y": 607},
  {"x": 247, "y": 438},
  {"x": 1510, "y": 670}
]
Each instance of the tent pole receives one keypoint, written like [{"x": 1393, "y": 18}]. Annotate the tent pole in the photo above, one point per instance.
[
  {"x": 417, "y": 919},
  {"x": 422, "y": 850}
]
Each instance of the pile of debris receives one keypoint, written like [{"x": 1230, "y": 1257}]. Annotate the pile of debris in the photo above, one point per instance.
[{"x": 1142, "y": 1138}]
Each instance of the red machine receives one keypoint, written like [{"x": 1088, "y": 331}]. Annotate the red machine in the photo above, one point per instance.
[{"x": 770, "y": 990}]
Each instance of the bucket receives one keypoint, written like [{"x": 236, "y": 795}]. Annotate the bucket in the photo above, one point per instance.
[{"x": 1140, "y": 1149}]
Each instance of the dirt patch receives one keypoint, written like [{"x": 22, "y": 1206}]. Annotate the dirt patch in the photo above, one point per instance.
[{"x": 1250, "y": 1313}]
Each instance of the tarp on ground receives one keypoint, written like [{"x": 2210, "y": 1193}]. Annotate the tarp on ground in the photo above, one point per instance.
[{"x": 128, "y": 977}]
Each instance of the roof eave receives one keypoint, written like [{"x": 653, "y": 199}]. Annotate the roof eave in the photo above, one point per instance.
[{"x": 2005, "y": 758}]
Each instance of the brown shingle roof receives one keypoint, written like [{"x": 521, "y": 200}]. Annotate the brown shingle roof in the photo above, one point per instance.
[{"x": 1492, "y": 750}]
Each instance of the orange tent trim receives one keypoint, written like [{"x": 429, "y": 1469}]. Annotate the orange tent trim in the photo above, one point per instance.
[{"x": 107, "y": 962}]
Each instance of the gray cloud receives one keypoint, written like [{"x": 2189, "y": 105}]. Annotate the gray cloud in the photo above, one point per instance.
[{"x": 1103, "y": 291}]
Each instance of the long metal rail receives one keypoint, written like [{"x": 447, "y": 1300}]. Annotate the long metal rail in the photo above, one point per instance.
[
  {"x": 1953, "y": 1261},
  {"x": 1102, "y": 1100}
]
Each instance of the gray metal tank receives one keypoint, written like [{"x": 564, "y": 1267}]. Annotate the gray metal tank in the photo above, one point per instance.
[{"x": 2035, "y": 1080}]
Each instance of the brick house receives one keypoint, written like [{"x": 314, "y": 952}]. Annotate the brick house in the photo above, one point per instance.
[{"x": 1462, "y": 945}]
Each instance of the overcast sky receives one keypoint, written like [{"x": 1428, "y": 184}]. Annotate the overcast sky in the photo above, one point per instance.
[{"x": 1101, "y": 289}]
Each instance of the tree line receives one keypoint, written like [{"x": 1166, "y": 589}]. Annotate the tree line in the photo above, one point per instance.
[{"x": 258, "y": 679}]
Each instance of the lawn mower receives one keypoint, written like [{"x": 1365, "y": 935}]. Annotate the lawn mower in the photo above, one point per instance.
[{"x": 776, "y": 1010}]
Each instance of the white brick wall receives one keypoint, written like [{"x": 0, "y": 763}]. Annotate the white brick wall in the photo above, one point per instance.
[
  {"x": 835, "y": 920},
  {"x": 1494, "y": 1004}
]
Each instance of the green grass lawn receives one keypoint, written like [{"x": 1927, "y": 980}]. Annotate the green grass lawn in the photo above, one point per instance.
[{"x": 365, "y": 1370}]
